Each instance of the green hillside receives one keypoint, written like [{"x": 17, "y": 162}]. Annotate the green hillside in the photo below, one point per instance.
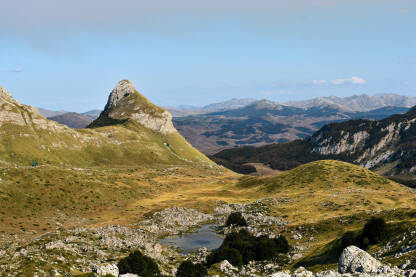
[{"x": 26, "y": 136}]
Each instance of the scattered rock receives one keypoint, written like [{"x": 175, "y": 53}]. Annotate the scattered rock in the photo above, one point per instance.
[
  {"x": 106, "y": 269},
  {"x": 355, "y": 260}
]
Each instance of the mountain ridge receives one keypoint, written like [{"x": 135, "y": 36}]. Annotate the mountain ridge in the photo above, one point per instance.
[
  {"x": 264, "y": 122},
  {"x": 28, "y": 136},
  {"x": 386, "y": 146},
  {"x": 358, "y": 103}
]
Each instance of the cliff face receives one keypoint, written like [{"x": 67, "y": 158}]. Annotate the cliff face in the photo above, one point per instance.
[
  {"x": 126, "y": 103},
  {"x": 387, "y": 146},
  {"x": 14, "y": 113},
  {"x": 371, "y": 144}
]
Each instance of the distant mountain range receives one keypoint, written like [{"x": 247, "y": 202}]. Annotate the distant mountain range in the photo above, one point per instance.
[
  {"x": 70, "y": 119},
  {"x": 250, "y": 122},
  {"x": 386, "y": 146},
  {"x": 264, "y": 122},
  {"x": 234, "y": 103},
  {"x": 358, "y": 103}
]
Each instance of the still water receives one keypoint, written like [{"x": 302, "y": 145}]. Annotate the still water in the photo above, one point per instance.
[{"x": 190, "y": 242}]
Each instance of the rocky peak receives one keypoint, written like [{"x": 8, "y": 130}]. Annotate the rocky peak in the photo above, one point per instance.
[
  {"x": 126, "y": 103},
  {"x": 4, "y": 94},
  {"x": 123, "y": 89}
]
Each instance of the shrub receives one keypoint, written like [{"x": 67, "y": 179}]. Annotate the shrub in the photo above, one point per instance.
[
  {"x": 189, "y": 269},
  {"x": 230, "y": 254},
  {"x": 236, "y": 219},
  {"x": 242, "y": 247},
  {"x": 375, "y": 230},
  {"x": 348, "y": 239},
  {"x": 137, "y": 263}
]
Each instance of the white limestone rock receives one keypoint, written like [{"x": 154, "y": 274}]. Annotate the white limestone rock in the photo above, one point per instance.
[
  {"x": 355, "y": 260},
  {"x": 105, "y": 269}
]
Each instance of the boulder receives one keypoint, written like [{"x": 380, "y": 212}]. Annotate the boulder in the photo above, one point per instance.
[
  {"x": 328, "y": 273},
  {"x": 105, "y": 269},
  {"x": 281, "y": 274},
  {"x": 302, "y": 272},
  {"x": 355, "y": 260}
]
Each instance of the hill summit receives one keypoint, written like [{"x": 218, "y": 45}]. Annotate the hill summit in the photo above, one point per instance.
[
  {"x": 130, "y": 131},
  {"x": 126, "y": 103}
]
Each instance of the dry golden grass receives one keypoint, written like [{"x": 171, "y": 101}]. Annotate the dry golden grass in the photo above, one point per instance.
[{"x": 34, "y": 198}]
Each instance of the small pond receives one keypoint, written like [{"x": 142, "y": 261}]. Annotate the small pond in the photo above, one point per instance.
[{"x": 191, "y": 242}]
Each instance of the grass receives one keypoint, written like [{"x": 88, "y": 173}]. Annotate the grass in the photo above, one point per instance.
[
  {"x": 119, "y": 174},
  {"x": 34, "y": 199}
]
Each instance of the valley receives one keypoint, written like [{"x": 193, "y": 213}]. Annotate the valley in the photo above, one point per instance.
[{"x": 76, "y": 202}]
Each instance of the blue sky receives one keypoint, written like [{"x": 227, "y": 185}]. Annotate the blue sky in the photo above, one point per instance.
[{"x": 70, "y": 54}]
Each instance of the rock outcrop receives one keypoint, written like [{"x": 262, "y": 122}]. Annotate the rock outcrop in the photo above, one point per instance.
[
  {"x": 355, "y": 260},
  {"x": 126, "y": 103},
  {"x": 12, "y": 112},
  {"x": 149, "y": 137},
  {"x": 372, "y": 144},
  {"x": 105, "y": 270}
]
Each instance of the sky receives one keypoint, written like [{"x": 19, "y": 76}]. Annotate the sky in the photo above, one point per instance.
[{"x": 70, "y": 54}]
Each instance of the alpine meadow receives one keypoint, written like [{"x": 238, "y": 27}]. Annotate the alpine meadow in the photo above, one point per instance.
[{"x": 193, "y": 138}]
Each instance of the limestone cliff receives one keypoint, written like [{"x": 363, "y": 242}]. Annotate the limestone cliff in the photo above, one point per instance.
[
  {"x": 126, "y": 103},
  {"x": 387, "y": 146},
  {"x": 372, "y": 144}
]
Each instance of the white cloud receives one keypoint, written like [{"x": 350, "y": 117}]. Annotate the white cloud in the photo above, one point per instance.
[
  {"x": 16, "y": 70},
  {"x": 319, "y": 82},
  {"x": 352, "y": 80}
]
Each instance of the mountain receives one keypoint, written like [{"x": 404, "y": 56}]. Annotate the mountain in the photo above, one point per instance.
[
  {"x": 130, "y": 179},
  {"x": 93, "y": 114},
  {"x": 386, "y": 146},
  {"x": 130, "y": 131},
  {"x": 49, "y": 113},
  {"x": 72, "y": 120},
  {"x": 358, "y": 103},
  {"x": 234, "y": 103},
  {"x": 264, "y": 122}
]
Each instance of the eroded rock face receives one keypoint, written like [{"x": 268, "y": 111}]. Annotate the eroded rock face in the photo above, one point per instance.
[
  {"x": 348, "y": 142},
  {"x": 123, "y": 89},
  {"x": 125, "y": 102},
  {"x": 4, "y": 94},
  {"x": 11, "y": 111},
  {"x": 162, "y": 124},
  {"x": 355, "y": 260}
]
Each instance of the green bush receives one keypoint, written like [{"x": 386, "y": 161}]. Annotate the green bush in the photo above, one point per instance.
[
  {"x": 230, "y": 254},
  {"x": 236, "y": 219},
  {"x": 348, "y": 239},
  {"x": 375, "y": 230},
  {"x": 189, "y": 269},
  {"x": 242, "y": 247},
  {"x": 137, "y": 263}
]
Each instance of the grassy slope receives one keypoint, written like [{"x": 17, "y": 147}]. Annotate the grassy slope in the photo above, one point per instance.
[
  {"x": 127, "y": 144},
  {"x": 308, "y": 194}
]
